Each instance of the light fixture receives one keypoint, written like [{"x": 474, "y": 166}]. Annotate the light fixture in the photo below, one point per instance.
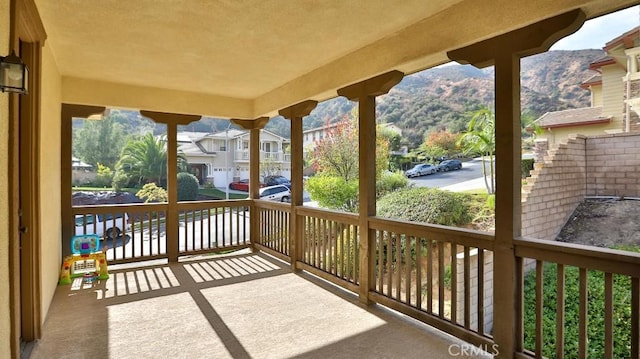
[{"x": 13, "y": 74}]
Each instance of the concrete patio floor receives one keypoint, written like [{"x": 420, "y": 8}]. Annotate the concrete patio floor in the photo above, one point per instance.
[{"x": 246, "y": 305}]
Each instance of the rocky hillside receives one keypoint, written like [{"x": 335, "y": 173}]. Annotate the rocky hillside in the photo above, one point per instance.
[{"x": 442, "y": 97}]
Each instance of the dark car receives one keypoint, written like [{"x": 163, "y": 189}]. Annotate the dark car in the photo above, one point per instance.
[
  {"x": 277, "y": 180},
  {"x": 449, "y": 165},
  {"x": 242, "y": 185}
]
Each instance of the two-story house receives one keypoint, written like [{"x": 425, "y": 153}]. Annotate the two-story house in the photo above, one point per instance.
[
  {"x": 222, "y": 157},
  {"x": 616, "y": 79}
]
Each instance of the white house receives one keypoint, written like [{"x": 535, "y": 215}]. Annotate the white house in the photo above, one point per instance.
[{"x": 222, "y": 157}]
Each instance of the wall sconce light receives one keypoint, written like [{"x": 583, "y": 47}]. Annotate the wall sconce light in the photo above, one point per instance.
[{"x": 13, "y": 74}]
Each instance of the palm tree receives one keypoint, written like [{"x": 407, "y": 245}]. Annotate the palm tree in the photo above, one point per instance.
[
  {"x": 146, "y": 159},
  {"x": 480, "y": 139}
]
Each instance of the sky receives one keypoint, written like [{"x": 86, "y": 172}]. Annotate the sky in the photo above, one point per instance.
[{"x": 595, "y": 33}]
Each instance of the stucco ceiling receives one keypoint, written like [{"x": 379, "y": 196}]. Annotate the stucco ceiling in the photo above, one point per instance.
[{"x": 250, "y": 57}]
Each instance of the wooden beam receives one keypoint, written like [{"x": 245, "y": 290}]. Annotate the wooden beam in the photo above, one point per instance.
[
  {"x": 295, "y": 114},
  {"x": 374, "y": 86},
  {"x": 257, "y": 123},
  {"x": 170, "y": 118},
  {"x": 529, "y": 40}
]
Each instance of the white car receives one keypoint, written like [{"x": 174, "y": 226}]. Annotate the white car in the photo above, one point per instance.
[
  {"x": 276, "y": 193},
  {"x": 104, "y": 225}
]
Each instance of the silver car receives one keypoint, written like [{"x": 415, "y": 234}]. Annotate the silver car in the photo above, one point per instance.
[{"x": 421, "y": 170}]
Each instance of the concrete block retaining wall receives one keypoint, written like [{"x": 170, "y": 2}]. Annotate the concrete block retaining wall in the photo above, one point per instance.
[{"x": 605, "y": 165}]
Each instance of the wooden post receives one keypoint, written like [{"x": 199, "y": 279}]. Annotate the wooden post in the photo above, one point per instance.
[
  {"x": 295, "y": 114},
  {"x": 68, "y": 112},
  {"x": 254, "y": 127},
  {"x": 365, "y": 93},
  {"x": 172, "y": 222},
  {"x": 505, "y": 52}
]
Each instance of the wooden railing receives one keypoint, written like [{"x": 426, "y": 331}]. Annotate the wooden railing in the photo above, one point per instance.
[
  {"x": 596, "y": 314},
  {"x": 206, "y": 226},
  {"x": 273, "y": 235},
  {"x": 139, "y": 230},
  {"x": 440, "y": 275},
  {"x": 213, "y": 226},
  {"x": 329, "y": 245}
]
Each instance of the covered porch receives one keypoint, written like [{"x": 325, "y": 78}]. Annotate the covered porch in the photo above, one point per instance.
[
  {"x": 466, "y": 283},
  {"x": 245, "y": 305}
]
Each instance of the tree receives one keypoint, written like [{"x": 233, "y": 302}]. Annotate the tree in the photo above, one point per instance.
[
  {"x": 336, "y": 154},
  {"x": 146, "y": 159},
  {"x": 480, "y": 139},
  {"x": 336, "y": 162},
  {"x": 99, "y": 141},
  {"x": 438, "y": 144}
]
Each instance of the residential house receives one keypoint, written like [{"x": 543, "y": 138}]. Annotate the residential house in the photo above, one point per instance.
[
  {"x": 616, "y": 78},
  {"x": 221, "y": 157},
  {"x": 248, "y": 61}
]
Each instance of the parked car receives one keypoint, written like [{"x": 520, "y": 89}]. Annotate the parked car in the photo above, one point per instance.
[
  {"x": 421, "y": 170},
  {"x": 276, "y": 193},
  {"x": 242, "y": 185},
  {"x": 449, "y": 165},
  {"x": 276, "y": 180},
  {"x": 104, "y": 225}
]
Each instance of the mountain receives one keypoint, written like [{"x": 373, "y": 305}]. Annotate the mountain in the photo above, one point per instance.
[{"x": 442, "y": 97}]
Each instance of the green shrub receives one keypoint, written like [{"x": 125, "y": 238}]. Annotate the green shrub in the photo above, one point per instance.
[
  {"x": 595, "y": 312},
  {"x": 104, "y": 176},
  {"x": 187, "y": 187},
  {"x": 389, "y": 182},
  {"x": 527, "y": 167},
  {"x": 152, "y": 193},
  {"x": 120, "y": 180},
  {"x": 428, "y": 205},
  {"x": 334, "y": 192}
]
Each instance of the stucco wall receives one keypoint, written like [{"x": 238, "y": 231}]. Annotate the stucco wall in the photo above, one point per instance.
[
  {"x": 50, "y": 220},
  {"x": 5, "y": 325}
]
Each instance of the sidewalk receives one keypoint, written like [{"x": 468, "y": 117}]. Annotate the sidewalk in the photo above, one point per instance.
[{"x": 477, "y": 183}]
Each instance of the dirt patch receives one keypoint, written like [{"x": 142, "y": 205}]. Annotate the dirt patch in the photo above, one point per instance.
[{"x": 604, "y": 223}]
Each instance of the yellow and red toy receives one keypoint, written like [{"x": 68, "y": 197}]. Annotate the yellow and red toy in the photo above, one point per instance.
[{"x": 86, "y": 258}]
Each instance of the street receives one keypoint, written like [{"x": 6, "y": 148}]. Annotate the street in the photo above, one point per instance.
[{"x": 467, "y": 178}]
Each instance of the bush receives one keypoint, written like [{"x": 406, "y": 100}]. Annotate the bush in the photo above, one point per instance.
[
  {"x": 187, "y": 187},
  {"x": 120, "y": 180},
  {"x": 104, "y": 176},
  {"x": 527, "y": 167},
  {"x": 152, "y": 193},
  {"x": 334, "y": 192},
  {"x": 595, "y": 312},
  {"x": 428, "y": 205},
  {"x": 389, "y": 182}
]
